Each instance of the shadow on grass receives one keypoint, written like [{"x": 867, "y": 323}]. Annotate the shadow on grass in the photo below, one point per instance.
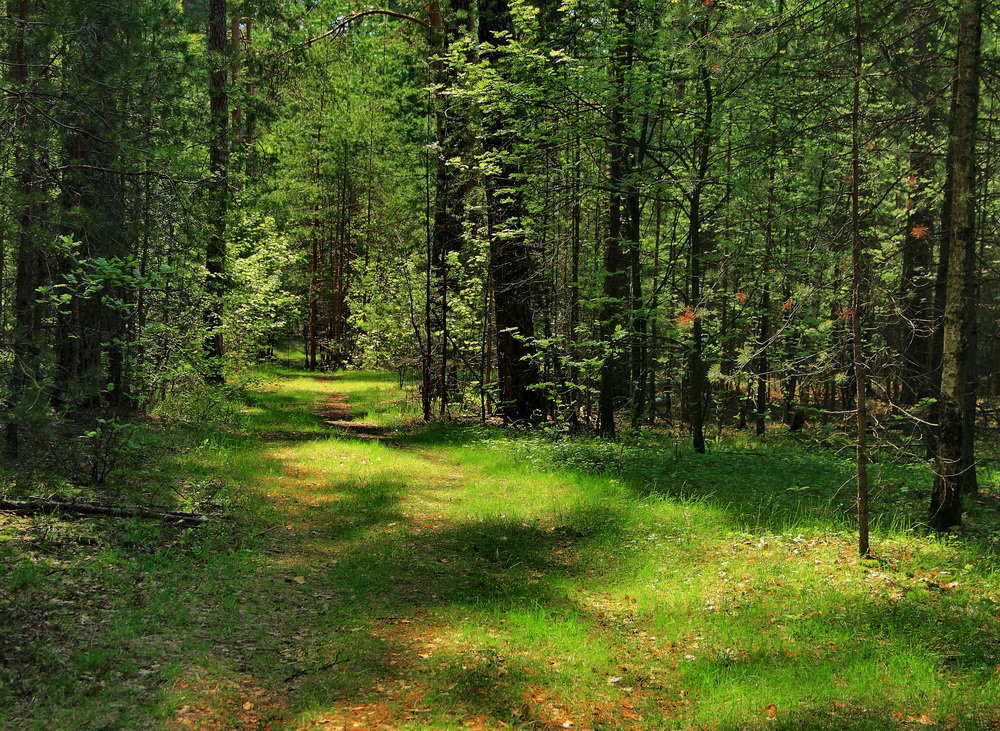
[
  {"x": 346, "y": 600},
  {"x": 763, "y": 486},
  {"x": 273, "y": 601},
  {"x": 877, "y": 663}
]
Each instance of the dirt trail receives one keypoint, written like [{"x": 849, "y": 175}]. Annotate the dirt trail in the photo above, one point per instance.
[
  {"x": 361, "y": 616},
  {"x": 335, "y": 412},
  {"x": 319, "y": 529}
]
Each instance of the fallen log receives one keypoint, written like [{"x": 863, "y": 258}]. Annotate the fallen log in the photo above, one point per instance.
[{"x": 82, "y": 509}]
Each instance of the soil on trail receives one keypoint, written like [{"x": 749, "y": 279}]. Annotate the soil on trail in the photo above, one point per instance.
[
  {"x": 335, "y": 412},
  {"x": 334, "y": 543},
  {"x": 387, "y": 596}
]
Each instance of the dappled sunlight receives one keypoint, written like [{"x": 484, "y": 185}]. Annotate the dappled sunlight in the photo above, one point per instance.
[
  {"x": 467, "y": 584},
  {"x": 444, "y": 576}
]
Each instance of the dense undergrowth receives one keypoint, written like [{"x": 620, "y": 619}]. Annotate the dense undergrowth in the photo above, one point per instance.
[{"x": 461, "y": 575}]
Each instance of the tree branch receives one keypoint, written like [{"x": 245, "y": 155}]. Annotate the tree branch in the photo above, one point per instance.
[{"x": 342, "y": 25}]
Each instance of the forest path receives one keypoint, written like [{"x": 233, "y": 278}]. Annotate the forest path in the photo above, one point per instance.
[
  {"x": 371, "y": 575},
  {"x": 335, "y": 411},
  {"x": 448, "y": 576},
  {"x": 390, "y": 575}
]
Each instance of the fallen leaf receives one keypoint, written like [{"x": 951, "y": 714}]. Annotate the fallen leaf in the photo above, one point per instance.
[
  {"x": 248, "y": 706},
  {"x": 299, "y": 579},
  {"x": 771, "y": 711}
]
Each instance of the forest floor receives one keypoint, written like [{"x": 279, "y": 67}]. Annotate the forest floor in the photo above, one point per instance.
[{"x": 359, "y": 572}]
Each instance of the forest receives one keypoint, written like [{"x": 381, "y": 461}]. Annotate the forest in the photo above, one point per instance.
[{"x": 499, "y": 363}]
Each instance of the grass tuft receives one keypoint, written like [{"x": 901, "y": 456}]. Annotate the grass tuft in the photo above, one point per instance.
[{"x": 448, "y": 575}]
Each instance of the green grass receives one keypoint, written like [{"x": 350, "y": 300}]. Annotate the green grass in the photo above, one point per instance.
[{"x": 454, "y": 574}]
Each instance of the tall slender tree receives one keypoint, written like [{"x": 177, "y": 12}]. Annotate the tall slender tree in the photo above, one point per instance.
[
  {"x": 219, "y": 192},
  {"x": 25, "y": 332},
  {"x": 954, "y": 464},
  {"x": 512, "y": 267}
]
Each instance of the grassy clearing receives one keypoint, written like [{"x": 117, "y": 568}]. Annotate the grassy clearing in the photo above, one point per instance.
[{"x": 454, "y": 576}]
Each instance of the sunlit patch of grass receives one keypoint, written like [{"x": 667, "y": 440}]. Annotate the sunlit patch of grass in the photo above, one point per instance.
[
  {"x": 377, "y": 398},
  {"x": 374, "y": 397},
  {"x": 456, "y": 574},
  {"x": 767, "y": 640}
]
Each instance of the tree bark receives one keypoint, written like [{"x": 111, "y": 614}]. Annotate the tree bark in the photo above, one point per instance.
[
  {"x": 512, "y": 264},
  {"x": 697, "y": 376},
  {"x": 215, "y": 253},
  {"x": 453, "y": 152},
  {"x": 47, "y": 507},
  {"x": 859, "y": 297},
  {"x": 619, "y": 244},
  {"x": 917, "y": 280},
  {"x": 90, "y": 339},
  {"x": 954, "y": 457},
  {"x": 24, "y": 333}
]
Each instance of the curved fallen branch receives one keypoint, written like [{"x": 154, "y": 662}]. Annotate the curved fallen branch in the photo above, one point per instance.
[{"x": 86, "y": 509}]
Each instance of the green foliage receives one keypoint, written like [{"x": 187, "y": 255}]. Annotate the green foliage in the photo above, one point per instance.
[
  {"x": 508, "y": 578},
  {"x": 264, "y": 299},
  {"x": 107, "y": 447}
]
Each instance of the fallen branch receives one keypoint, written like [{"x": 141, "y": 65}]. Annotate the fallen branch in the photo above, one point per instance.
[
  {"x": 46, "y": 507},
  {"x": 307, "y": 671}
]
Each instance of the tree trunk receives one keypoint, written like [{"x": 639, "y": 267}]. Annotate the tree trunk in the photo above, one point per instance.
[
  {"x": 639, "y": 356},
  {"x": 917, "y": 280},
  {"x": 24, "y": 333},
  {"x": 697, "y": 376},
  {"x": 215, "y": 253},
  {"x": 954, "y": 463},
  {"x": 762, "y": 367},
  {"x": 512, "y": 265},
  {"x": 859, "y": 297},
  {"x": 619, "y": 244},
  {"x": 451, "y": 187},
  {"x": 91, "y": 333}
]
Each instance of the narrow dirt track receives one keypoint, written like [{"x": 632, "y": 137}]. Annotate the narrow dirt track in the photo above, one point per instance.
[
  {"x": 319, "y": 520},
  {"x": 335, "y": 412}
]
